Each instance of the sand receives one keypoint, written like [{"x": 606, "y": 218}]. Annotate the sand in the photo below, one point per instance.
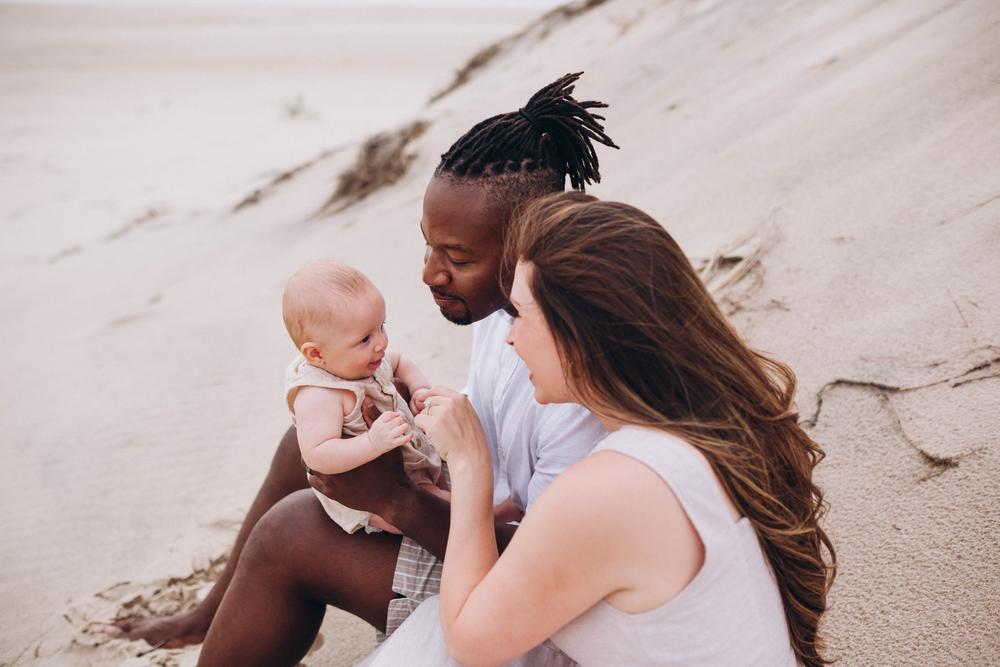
[
  {"x": 853, "y": 144},
  {"x": 143, "y": 349}
]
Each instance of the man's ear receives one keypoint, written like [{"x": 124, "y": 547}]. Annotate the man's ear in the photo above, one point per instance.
[{"x": 311, "y": 352}]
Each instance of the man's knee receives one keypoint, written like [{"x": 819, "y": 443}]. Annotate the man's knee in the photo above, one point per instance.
[{"x": 283, "y": 531}]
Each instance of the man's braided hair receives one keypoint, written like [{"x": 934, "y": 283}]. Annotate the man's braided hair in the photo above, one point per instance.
[{"x": 549, "y": 138}]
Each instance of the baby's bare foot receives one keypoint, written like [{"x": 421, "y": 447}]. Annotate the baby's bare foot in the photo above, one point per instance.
[{"x": 164, "y": 631}]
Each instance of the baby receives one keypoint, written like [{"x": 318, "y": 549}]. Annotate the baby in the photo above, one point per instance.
[{"x": 336, "y": 318}]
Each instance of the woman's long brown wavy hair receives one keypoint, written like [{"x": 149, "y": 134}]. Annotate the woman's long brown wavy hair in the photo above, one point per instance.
[{"x": 642, "y": 342}]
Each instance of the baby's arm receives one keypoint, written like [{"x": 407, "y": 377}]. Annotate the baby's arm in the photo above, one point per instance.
[
  {"x": 319, "y": 422},
  {"x": 412, "y": 377}
]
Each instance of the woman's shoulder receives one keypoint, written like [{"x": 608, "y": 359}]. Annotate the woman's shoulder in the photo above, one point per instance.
[
  {"x": 607, "y": 486},
  {"x": 675, "y": 461},
  {"x": 619, "y": 509}
]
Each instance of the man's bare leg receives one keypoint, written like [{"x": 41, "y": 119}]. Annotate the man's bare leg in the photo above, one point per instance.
[
  {"x": 285, "y": 476},
  {"x": 296, "y": 562}
]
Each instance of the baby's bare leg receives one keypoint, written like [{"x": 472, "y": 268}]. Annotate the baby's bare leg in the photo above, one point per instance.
[
  {"x": 375, "y": 521},
  {"x": 285, "y": 476}
]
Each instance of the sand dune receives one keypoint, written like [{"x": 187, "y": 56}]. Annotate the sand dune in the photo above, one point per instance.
[
  {"x": 143, "y": 346},
  {"x": 849, "y": 150}
]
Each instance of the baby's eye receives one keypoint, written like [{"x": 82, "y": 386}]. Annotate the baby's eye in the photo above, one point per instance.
[{"x": 366, "y": 339}]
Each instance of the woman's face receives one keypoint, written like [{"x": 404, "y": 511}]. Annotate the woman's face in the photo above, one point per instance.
[{"x": 533, "y": 341}]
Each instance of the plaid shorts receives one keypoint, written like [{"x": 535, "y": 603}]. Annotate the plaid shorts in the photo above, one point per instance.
[{"x": 417, "y": 577}]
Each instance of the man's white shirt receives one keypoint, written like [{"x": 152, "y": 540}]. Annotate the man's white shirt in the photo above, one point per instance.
[{"x": 529, "y": 443}]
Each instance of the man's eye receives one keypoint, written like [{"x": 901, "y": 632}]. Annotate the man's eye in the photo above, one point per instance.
[{"x": 458, "y": 262}]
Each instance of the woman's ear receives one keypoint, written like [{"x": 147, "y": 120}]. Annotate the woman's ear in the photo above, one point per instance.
[{"x": 311, "y": 352}]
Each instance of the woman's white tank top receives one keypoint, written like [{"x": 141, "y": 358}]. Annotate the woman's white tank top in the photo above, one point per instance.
[{"x": 729, "y": 614}]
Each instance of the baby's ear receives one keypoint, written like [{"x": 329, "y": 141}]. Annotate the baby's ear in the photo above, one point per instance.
[{"x": 311, "y": 352}]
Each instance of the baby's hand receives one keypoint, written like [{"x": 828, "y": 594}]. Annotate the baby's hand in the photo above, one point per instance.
[
  {"x": 417, "y": 398},
  {"x": 389, "y": 431}
]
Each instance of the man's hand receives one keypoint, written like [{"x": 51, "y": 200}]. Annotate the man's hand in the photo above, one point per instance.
[
  {"x": 372, "y": 487},
  {"x": 376, "y": 486}
]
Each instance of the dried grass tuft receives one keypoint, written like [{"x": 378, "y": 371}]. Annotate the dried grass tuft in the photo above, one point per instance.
[
  {"x": 382, "y": 160},
  {"x": 541, "y": 28}
]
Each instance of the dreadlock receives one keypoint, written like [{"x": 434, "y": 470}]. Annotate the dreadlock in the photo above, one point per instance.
[{"x": 552, "y": 135}]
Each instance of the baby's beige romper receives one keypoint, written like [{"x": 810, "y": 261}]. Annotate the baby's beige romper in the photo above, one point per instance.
[{"x": 419, "y": 457}]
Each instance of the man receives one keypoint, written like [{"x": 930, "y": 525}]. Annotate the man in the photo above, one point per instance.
[{"x": 290, "y": 560}]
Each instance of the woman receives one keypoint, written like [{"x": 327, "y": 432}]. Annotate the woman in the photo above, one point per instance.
[{"x": 691, "y": 535}]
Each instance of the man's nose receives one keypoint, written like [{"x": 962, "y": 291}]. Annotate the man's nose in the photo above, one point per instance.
[{"x": 434, "y": 274}]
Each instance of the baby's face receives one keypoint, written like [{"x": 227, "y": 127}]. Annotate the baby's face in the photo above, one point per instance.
[{"x": 354, "y": 341}]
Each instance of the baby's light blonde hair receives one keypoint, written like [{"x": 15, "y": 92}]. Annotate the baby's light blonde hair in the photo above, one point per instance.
[{"x": 306, "y": 303}]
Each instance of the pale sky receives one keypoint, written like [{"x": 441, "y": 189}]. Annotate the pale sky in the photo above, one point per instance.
[{"x": 541, "y": 4}]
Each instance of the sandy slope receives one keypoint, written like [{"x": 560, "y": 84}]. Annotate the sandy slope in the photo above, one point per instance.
[
  {"x": 859, "y": 139},
  {"x": 143, "y": 348}
]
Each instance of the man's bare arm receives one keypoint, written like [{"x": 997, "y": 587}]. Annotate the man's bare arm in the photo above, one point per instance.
[{"x": 426, "y": 518}]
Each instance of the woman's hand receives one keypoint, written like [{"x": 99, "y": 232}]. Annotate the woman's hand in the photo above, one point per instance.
[{"x": 452, "y": 425}]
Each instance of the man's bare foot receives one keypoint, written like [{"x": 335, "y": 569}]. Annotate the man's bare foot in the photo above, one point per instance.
[{"x": 164, "y": 631}]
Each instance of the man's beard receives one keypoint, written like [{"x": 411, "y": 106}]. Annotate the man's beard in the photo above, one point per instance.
[{"x": 463, "y": 318}]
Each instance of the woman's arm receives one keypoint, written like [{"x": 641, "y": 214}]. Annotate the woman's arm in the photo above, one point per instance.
[
  {"x": 569, "y": 552},
  {"x": 607, "y": 528},
  {"x": 577, "y": 545}
]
